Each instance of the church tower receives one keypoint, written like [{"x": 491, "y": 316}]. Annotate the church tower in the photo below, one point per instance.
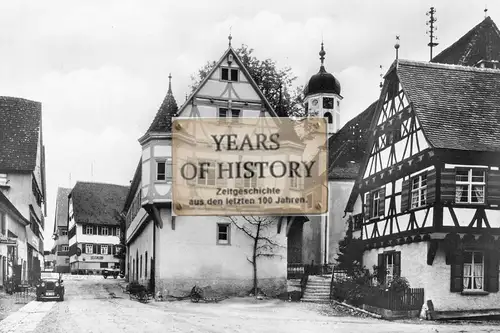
[{"x": 322, "y": 96}]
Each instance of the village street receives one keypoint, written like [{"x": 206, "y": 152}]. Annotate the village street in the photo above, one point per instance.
[{"x": 98, "y": 305}]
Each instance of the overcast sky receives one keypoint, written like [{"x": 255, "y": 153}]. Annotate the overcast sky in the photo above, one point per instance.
[{"x": 100, "y": 68}]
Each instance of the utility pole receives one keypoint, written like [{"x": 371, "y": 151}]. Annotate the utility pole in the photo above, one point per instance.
[{"x": 432, "y": 29}]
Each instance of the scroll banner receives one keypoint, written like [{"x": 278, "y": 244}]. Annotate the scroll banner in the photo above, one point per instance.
[{"x": 249, "y": 166}]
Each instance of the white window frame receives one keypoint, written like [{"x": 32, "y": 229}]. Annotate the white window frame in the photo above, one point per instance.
[
  {"x": 228, "y": 232},
  {"x": 473, "y": 275},
  {"x": 389, "y": 267},
  {"x": 3, "y": 179},
  {"x": 89, "y": 246},
  {"x": 418, "y": 188},
  {"x": 469, "y": 184},
  {"x": 104, "y": 233},
  {"x": 161, "y": 177},
  {"x": 207, "y": 181},
  {"x": 64, "y": 248},
  {"x": 375, "y": 203},
  {"x": 89, "y": 228},
  {"x": 104, "y": 249}
]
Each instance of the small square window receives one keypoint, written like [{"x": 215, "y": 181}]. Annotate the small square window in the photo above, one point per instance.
[
  {"x": 222, "y": 113},
  {"x": 160, "y": 171},
  {"x": 223, "y": 234},
  {"x": 225, "y": 74},
  {"x": 229, "y": 74},
  {"x": 234, "y": 75},
  {"x": 64, "y": 232},
  {"x": 64, "y": 248},
  {"x": 89, "y": 230}
]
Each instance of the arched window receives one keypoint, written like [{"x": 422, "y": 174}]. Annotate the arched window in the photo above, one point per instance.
[{"x": 329, "y": 117}]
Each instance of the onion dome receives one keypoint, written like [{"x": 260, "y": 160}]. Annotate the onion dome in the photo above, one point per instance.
[{"x": 322, "y": 82}]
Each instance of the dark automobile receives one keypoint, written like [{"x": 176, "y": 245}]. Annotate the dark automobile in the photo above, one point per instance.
[
  {"x": 110, "y": 272},
  {"x": 50, "y": 287}
]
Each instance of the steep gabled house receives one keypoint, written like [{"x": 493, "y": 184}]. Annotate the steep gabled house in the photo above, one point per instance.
[
  {"x": 94, "y": 226},
  {"x": 22, "y": 172},
  {"x": 174, "y": 253},
  {"x": 426, "y": 199},
  {"x": 60, "y": 250}
]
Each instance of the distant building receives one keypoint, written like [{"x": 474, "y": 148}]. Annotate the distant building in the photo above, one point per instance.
[
  {"x": 12, "y": 241},
  {"x": 22, "y": 174},
  {"x": 49, "y": 261},
  {"x": 94, "y": 224},
  {"x": 61, "y": 246}
]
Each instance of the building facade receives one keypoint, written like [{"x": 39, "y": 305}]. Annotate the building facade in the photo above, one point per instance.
[
  {"x": 174, "y": 253},
  {"x": 22, "y": 172},
  {"x": 61, "y": 245},
  {"x": 13, "y": 245},
  {"x": 94, "y": 226},
  {"x": 426, "y": 202}
]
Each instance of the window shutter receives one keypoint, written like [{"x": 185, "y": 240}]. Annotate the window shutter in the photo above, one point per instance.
[
  {"x": 367, "y": 206},
  {"x": 113, "y": 248},
  {"x": 431, "y": 186},
  {"x": 113, "y": 230},
  {"x": 491, "y": 279},
  {"x": 493, "y": 187},
  {"x": 94, "y": 230},
  {"x": 448, "y": 187},
  {"x": 95, "y": 249},
  {"x": 99, "y": 230},
  {"x": 457, "y": 270},
  {"x": 397, "y": 263},
  {"x": 381, "y": 210},
  {"x": 405, "y": 195},
  {"x": 381, "y": 268},
  {"x": 84, "y": 229},
  {"x": 83, "y": 248}
]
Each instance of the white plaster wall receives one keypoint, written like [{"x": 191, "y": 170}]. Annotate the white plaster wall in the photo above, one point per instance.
[
  {"x": 142, "y": 244},
  {"x": 339, "y": 192},
  {"x": 190, "y": 255}
]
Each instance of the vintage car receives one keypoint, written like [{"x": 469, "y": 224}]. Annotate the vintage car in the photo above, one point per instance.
[
  {"x": 50, "y": 287},
  {"x": 110, "y": 272}
]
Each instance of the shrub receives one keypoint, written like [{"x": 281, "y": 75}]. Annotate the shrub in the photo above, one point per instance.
[{"x": 135, "y": 288}]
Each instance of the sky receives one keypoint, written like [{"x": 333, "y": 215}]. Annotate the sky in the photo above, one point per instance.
[{"x": 100, "y": 67}]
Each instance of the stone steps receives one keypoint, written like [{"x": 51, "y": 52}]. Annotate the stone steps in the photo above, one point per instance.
[{"x": 317, "y": 290}]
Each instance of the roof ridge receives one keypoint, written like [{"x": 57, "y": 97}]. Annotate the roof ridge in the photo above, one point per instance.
[
  {"x": 99, "y": 183},
  {"x": 416, "y": 63}
]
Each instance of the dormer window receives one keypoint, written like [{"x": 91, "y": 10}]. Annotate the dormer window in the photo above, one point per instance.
[{"x": 229, "y": 74}]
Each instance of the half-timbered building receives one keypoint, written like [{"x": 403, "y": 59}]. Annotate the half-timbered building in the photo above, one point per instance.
[{"x": 427, "y": 197}]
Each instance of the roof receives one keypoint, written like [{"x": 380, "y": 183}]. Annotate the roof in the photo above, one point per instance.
[
  {"x": 135, "y": 183},
  {"x": 98, "y": 203},
  {"x": 238, "y": 61},
  {"x": 458, "y": 107},
  {"x": 168, "y": 109},
  {"x": 20, "y": 122},
  {"x": 481, "y": 43},
  {"x": 61, "y": 218},
  {"x": 7, "y": 207},
  {"x": 347, "y": 147}
]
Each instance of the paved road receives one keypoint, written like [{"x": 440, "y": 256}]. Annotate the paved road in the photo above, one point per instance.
[{"x": 90, "y": 308}]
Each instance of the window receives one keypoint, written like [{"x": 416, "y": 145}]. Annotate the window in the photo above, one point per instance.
[
  {"x": 104, "y": 249},
  {"x": 470, "y": 186},
  {"x": 251, "y": 182},
  {"x": 419, "y": 191},
  {"x": 389, "y": 266},
  {"x": 89, "y": 248},
  {"x": 223, "y": 234},
  {"x": 64, "y": 248},
  {"x": 375, "y": 204},
  {"x": 473, "y": 270},
  {"x": 89, "y": 230},
  {"x": 66, "y": 260},
  {"x": 104, "y": 231},
  {"x": 329, "y": 117},
  {"x": 233, "y": 113},
  {"x": 229, "y": 74},
  {"x": 3, "y": 179},
  {"x": 328, "y": 103},
  {"x": 160, "y": 170},
  {"x": 208, "y": 177},
  {"x": 3, "y": 222},
  {"x": 103, "y": 265},
  {"x": 64, "y": 232}
]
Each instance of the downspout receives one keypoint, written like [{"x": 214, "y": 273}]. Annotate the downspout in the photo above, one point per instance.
[
  {"x": 153, "y": 275},
  {"x": 325, "y": 259}
]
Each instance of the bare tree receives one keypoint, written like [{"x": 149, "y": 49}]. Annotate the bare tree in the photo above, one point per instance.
[{"x": 257, "y": 229}]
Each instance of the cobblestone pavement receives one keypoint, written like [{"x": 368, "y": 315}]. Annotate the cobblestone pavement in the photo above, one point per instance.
[{"x": 98, "y": 305}]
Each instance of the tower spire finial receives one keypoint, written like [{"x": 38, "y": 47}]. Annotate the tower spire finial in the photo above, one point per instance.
[
  {"x": 432, "y": 28},
  {"x": 396, "y": 46},
  {"x": 230, "y": 37},
  {"x": 170, "y": 82},
  {"x": 322, "y": 54}
]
